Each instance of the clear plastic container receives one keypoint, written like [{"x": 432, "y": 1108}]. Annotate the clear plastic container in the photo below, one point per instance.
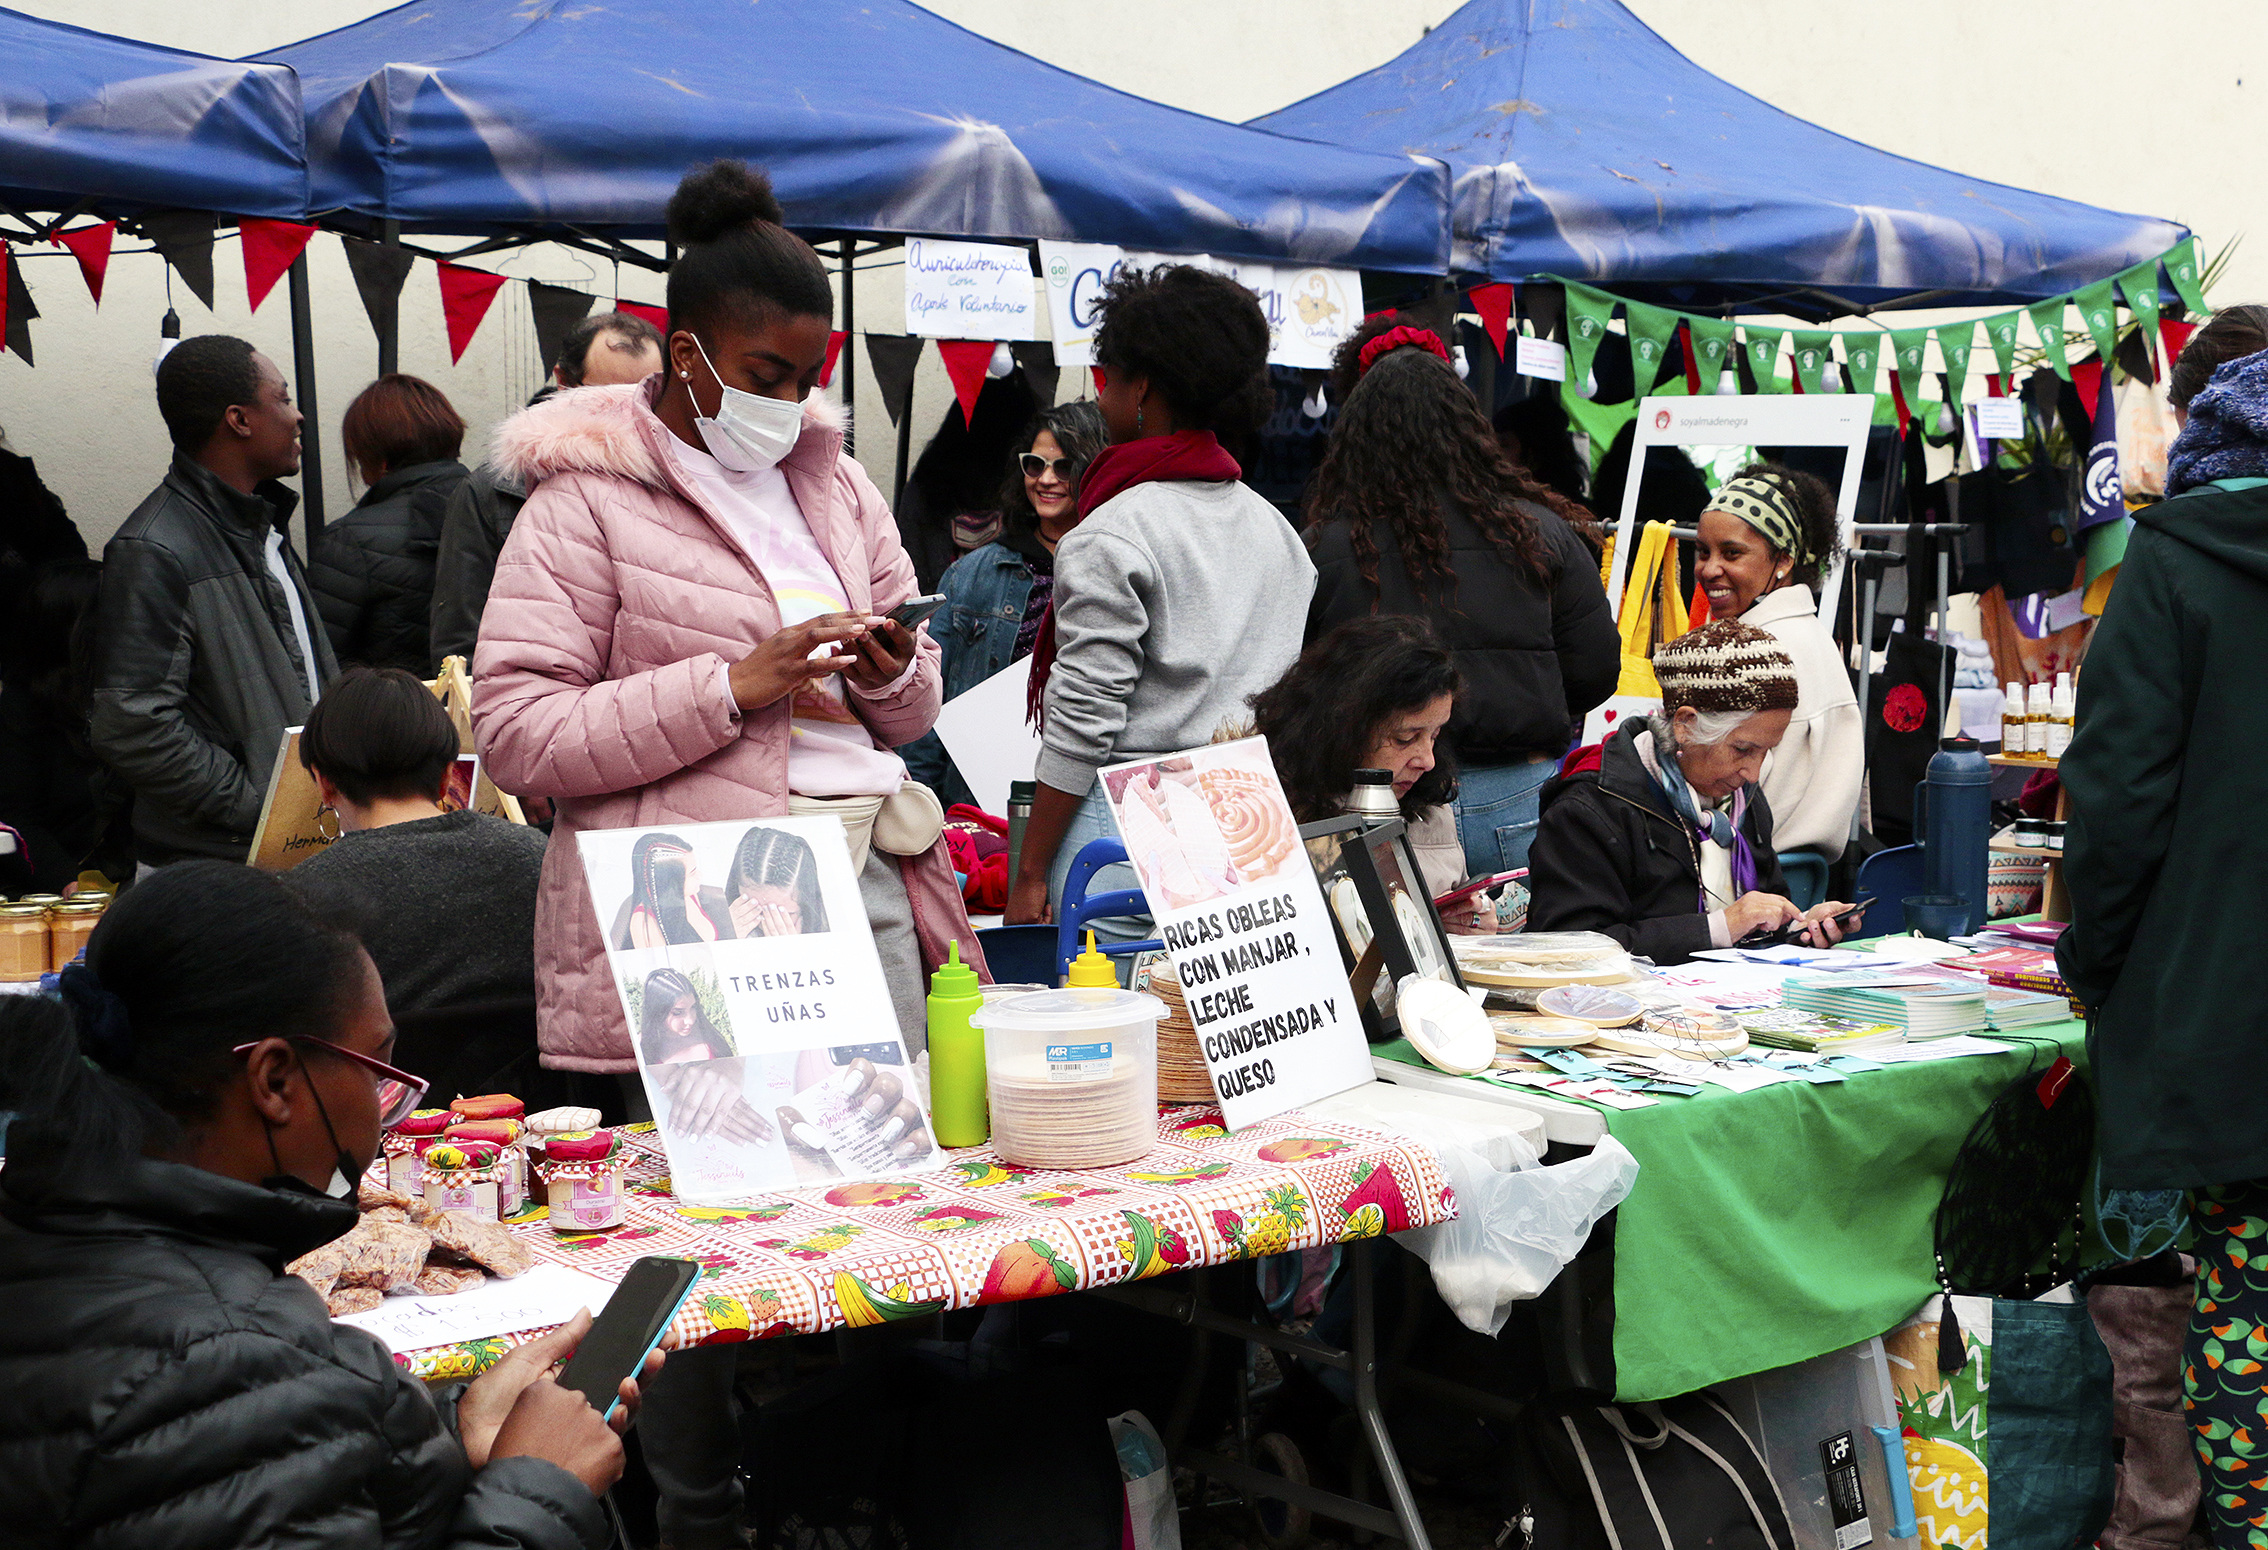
[{"x": 1072, "y": 1076}]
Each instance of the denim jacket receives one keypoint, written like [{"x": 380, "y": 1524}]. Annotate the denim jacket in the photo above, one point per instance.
[{"x": 988, "y": 589}]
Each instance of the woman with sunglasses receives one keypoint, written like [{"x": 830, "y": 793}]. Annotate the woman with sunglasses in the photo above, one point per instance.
[
  {"x": 998, "y": 593},
  {"x": 189, "y": 1118}
]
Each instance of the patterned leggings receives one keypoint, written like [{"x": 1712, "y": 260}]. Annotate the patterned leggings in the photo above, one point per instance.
[{"x": 2225, "y": 1360}]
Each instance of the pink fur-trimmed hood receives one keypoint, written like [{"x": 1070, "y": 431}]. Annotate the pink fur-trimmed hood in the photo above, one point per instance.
[{"x": 608, "y": 430}]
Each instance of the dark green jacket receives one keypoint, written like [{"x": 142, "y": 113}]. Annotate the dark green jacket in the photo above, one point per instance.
[{"x": 2167, "y": 853}]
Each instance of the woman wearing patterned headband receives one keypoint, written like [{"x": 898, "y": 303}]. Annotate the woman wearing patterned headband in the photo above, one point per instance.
[
  {"x": 1765, "y": 538},
  {"x": 1659, "y": 837}
]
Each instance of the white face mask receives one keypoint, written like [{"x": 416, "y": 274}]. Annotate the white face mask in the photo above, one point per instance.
[{"x": 750, "y": 432}]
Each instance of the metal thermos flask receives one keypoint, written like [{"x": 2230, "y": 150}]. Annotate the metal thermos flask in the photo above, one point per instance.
[
  {"x": 1953, "y": 821},
  {"x": 1373, "y": 796},
  {"x": 1020, "y": 796}
]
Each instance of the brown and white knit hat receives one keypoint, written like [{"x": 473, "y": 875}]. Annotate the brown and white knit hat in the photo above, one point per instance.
[{"x": 1725, "y": 666}]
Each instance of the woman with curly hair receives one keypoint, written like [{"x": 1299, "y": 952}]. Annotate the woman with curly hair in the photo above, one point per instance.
[
  {"x": 1180, "y": 593},
  {"x": 1765, "y": 536},
  {"x": 1416, "y": 510}
]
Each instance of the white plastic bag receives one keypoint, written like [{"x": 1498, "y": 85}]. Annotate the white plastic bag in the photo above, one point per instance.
[
  {"x": 1514, "y": 1232},
  {"x": 1153, "y": 1521}
]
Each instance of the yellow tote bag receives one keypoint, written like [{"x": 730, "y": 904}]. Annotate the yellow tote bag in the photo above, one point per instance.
[{"x": 1651, "y": 612}]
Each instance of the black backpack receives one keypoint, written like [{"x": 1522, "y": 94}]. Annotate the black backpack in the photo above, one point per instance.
[{"x": 1678, "y": 1475}]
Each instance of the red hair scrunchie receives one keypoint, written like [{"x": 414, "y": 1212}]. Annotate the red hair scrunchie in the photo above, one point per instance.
[{"x": 1393, "y": 339}]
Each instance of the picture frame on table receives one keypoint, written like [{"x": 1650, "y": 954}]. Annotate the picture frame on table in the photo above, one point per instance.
[{"x": 1385, "y": 921}]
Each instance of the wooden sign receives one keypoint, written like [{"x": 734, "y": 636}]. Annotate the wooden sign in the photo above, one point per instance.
[{"x": 292, "y": 822}]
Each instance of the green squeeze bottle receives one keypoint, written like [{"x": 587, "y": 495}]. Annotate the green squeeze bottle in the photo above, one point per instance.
[{"x": 956, "y": 1055}]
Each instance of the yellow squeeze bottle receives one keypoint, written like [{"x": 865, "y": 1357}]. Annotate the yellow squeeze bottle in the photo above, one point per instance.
[{"x": 1091, "y": 970}]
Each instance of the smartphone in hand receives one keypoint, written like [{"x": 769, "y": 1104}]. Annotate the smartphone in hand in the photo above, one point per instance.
[
  {"x": 914, "y": 610},
  {"x": 628, "y": 1329}
]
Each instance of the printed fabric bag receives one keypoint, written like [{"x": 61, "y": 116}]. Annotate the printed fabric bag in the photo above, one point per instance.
[{"x": 1651, "y": 613}]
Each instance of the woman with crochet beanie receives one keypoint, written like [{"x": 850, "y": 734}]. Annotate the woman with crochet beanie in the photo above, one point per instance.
[{"x": 1660, "y": 837}]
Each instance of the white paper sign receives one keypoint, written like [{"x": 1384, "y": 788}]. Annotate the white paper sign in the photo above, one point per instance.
[
  {"x": 1218, "y": 854},
  {"x": 1073, "y": 275},
  {"x": 2000, "y": 418},
  {"x": 969, "y": 290},
  {"x": 538, "y": 1298},
  {"x": 1309, "y": 310},
  {"x": 1533, "y": 357},
  {"x": 757, "y": 1009},
  {"x": 990, "y": 737}
]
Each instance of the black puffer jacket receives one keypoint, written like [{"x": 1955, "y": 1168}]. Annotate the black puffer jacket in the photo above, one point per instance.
[
  {"x": 372, "y": 570},
  {"x": 169, "y": 1388},
  {"x": 197, "y": 668},
  {"x": 1612, "y": 856},
  {"x": 472, "y": 536},
  {"x": 1536, "y": 658}
]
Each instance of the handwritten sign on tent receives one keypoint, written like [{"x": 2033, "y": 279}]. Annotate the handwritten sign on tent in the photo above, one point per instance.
[{"x": 969, "y": 290}]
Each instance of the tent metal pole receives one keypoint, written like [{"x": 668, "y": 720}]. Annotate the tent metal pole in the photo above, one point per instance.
[
  {"x": 390, "y": 337},
  {"x": 905, "y": 445},
  {"x": 303, "y": 377},
  {"x": 847, "y": 363}
]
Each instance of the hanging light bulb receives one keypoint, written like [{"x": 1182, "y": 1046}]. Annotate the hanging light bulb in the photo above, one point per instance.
[
  {"x": 169, "y": 335},
  {"x": 1463, "y": 366},
  {"x": 1316, "y": 405},
  {"x": 1944, "y": 421},
  {"x": 1003, "y": 360}
]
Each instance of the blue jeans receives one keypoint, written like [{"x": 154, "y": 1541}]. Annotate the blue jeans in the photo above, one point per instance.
[
  {"x": 1093, "y": 822},
  {"x": 1497, "y": 807}
]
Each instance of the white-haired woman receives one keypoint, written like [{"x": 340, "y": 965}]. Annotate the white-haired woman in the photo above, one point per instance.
[{"x": 1659, "y": 837}]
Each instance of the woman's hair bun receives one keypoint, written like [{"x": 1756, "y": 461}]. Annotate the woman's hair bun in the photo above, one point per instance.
[{"x": 718, "y": 198}]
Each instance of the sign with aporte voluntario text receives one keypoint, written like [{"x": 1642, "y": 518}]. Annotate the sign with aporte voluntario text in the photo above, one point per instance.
[
  {"x": 969, "y": 290},
  {"x": 1218, "y": 854}
]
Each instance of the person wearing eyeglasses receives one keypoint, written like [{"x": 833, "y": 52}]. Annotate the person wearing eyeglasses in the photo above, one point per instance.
[
  {"x": 998, "y": 593},
  {"x": 192, "y": 1115}
]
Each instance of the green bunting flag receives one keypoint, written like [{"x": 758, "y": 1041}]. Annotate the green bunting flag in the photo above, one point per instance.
[
  {"x": 1763, "y": 350},
  {"x": 2047, "y": 322},
  {"x": 1587, "y": 314},
  {"x": 1813, "y": 350},
  {"x": 1954, "y": 342},
  {"x": 1650, "y": 331},
  {"x": 1712, "y": 342},
  {"x": 2001, "y": 331},
  {"x": 2098, "y": 309},
  {"x": 1907, "y": 347},
  {"x": 2141, "y": 287},
  {"x": 1861, "y": 354},
  {"x": 2182, "y": 268}
]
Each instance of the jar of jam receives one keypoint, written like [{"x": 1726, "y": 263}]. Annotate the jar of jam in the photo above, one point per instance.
[
  {"x": 581, "y": 1173},
  {"x": 405, "y": 1171},
  {"x": 509, "y": 1134},
  {"x": 23, "y": 942},
  {"x": 69, "y": 924},
  {"x": 465, "y": 1176}
]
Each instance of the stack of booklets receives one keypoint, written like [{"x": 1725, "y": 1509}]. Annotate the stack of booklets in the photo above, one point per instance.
[
  {"x": 1925, "y": 1006},
  {"x": 2005, "y": 1005},
  {"x": 2020, "y": 968},
  {"x": 1788, "y": 1027}
]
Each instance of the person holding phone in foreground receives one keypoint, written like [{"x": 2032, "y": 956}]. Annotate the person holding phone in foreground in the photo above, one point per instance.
[
  {"x": 189, "y": 1118},
  {"x": 1660, "y": 837}
]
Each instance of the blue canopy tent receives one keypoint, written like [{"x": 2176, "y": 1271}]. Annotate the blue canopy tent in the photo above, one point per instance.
[
  {"x": 1582, "y": 145},
  {"x": 555, "y": 117}
]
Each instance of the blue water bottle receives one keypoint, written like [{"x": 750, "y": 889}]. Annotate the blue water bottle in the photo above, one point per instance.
[{"x": 1953, "y": 819}]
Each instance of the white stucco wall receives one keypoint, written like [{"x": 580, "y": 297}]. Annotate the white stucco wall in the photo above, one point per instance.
[{"x": 2136, "y": 111}]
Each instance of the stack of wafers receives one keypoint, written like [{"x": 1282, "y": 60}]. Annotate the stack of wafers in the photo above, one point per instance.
[
  {"x": 1181, "y": 1066},
  {"x": 1043, "y": 1122}
]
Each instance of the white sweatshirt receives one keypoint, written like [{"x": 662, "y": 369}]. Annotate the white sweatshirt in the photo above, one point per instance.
[{"x": 1812, "y": 779}]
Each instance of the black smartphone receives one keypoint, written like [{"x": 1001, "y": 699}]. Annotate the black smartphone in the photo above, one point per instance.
[
  {"x": 1792, "y": 933},
  {"x": 629, "y": 1328},
  {"x": 914, "y": 610}
]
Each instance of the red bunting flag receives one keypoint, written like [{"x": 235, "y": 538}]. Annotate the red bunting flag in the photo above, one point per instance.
[
  {"x": 1494, "y": 304},
  {"x": 965, "y": 362},
  {"x": 269, "y": 249},
  {"x": 2173, "y": 334},
  {"x": 1898, "y": 402},
  {"x": 90, "y": 245},
  {"x": 1693, "y": 365},
  {"x": 465, "y": 295},
  {"x": 834, "y": 349},
  {"x": 658, "y": 316}
]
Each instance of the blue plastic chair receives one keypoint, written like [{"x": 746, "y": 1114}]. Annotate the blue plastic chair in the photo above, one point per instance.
[
  {"x": 1019, "y": 955},
  {"x": 1806, "y": 872},
  {"x": 1078, "y": 908},
  {"x": 1888, "y": 878}
]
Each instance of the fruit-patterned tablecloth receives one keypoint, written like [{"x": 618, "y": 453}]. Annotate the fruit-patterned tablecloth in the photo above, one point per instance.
[{"x": 980, "y": 1230}]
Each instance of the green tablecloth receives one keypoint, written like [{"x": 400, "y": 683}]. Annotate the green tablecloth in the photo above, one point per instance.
[{"x": 1772, "y": 1226}]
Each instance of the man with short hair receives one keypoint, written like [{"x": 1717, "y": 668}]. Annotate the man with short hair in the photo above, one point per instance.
[
  {"x": 208, "y": 645},
  {"x": 603, "y": 350}
]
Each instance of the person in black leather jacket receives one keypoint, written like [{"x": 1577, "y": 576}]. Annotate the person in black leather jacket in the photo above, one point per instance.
[
  {"x": 604, "y": 348},
  {"x": 184, "y": 1124},
  {"x": 208, "y": 645},
  {"x": 372, "y": 570}
]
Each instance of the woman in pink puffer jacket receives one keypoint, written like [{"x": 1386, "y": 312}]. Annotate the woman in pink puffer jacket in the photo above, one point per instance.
[{"x": 633, "y": 665}]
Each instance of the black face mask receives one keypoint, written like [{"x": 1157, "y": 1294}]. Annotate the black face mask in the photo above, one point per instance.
[{"x": 345, "y": 1177}]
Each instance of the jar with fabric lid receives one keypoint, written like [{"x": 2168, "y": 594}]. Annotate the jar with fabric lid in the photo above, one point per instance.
[
  {"x": 466, "y": 1176},
  {"x": 69, "y": 924},
  {"x": 511, "y": 1135},
  {"x": 23, "y": 942},
  {"x": 581, "y": 1173},
  {"x": 405, "y": 1172}
]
